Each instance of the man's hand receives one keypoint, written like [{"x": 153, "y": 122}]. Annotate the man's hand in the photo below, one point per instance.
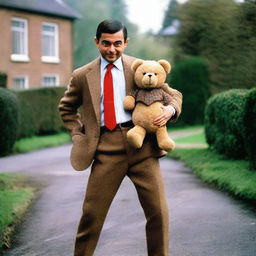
[{"x": 168, "y": 112}]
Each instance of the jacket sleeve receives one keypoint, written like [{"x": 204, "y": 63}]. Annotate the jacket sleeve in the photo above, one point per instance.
[
  {"x": 176, "y": 100},
  {"x": 69, "y": 105}
]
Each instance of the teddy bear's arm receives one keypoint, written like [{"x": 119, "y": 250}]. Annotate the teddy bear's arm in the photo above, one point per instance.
[
  {"x": 129, "y": 102},
  {"x": 176, "y": 100}
]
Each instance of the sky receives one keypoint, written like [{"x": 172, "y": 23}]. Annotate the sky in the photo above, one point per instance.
[{"x": 147, "y": 14}]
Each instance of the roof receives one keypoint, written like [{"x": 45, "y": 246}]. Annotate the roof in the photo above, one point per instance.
[
  {"x": 55, "y": 8},
  {"x": 171, "y": 30}
]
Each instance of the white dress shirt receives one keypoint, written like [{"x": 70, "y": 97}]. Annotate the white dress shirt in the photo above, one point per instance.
[{"x": 119, "y": 91}]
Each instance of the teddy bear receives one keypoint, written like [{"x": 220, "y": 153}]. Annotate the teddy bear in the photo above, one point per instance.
[{"x": 147, "y": 102}]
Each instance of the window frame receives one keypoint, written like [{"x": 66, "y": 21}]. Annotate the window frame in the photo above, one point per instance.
[
  {"x": 51, "y": 59},
  {"x": 56, "y": 76},
  {"x": 20, "y": 57},
  {"x": 26, "y": 84}
]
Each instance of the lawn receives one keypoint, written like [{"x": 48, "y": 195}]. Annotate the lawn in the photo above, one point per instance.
[
  {"x": 233, "y": 176},
  {"x": 185, "y": 128},
  {"x": 37, "y": 142},
  {"x": 15, "y": 198},
  {"x": 198, "y": 138},
  {"x": 16, "y": 195}
]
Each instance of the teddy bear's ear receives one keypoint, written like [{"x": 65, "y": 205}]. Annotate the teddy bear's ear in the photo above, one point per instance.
[
  {"x": 166, "y": 65},
  {"x": 136, "y": 64}
]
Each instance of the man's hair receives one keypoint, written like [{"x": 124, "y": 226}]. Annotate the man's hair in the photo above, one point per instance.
[{"x": 110, "y": 26}]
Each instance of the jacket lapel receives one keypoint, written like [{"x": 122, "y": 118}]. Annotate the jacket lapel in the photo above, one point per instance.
[
  {"x": 93, "y": 77},
  {"x": 128, "y": 75}
]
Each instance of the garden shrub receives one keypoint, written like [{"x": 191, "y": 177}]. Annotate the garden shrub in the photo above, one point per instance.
[
  {"x": 222, "y": 32},
  {"x": 9, "y": 121},
  {"x": 250, "y": 126},
  {"x": 39, "y": 111},
  {"x": 190, "y": 77},
  {"x": 224, "y": 123}
]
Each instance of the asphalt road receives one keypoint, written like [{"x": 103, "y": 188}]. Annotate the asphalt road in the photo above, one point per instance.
[{"x": 204, "y": 221}]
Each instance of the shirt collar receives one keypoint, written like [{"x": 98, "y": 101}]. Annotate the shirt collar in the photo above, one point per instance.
[{"x": 118, "y": 63}]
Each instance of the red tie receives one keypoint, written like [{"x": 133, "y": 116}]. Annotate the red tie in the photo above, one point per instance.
[{"x": 109, "y": 106}]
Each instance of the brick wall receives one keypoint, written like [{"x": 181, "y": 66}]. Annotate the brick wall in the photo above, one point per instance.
[{"x": 35, "y": 68}]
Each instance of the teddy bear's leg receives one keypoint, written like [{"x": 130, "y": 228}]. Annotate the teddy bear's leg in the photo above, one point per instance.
[
  {"x": 136, "y": 135},
  {"x": 163, "y": 139}
]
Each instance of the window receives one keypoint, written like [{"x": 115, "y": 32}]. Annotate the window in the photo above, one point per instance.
[
  {"x": 20, "y": 82},
  {"x": 19, "y": 40},
  {"x": 50, "y": 42},
  {"x": 50, "y": 80}
]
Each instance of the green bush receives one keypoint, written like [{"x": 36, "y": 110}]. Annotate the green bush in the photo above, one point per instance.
[
  {"x": 250, "y": 126},
  {"x": 9, "y": 121},
  {"x": 3, "y": 79},
  {"x": 39, "y": 111},
  {"x": 224, "y": 123},
  {"x": 191, "y": 78},
  {"x": 222, "y": 32}
]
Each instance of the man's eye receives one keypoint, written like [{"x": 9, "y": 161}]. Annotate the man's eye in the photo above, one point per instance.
[
  {"x": 117, "y": 44},
  {"x": 105, "y": 43}
]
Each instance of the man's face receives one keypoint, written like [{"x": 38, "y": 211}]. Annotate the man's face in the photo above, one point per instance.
[{"x": 111, "y": 46}]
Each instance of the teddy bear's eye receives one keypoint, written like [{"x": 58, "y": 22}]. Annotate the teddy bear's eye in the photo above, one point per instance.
[
  {"x": 155, "y": 74},
  {"x": 144, "y": 74}
]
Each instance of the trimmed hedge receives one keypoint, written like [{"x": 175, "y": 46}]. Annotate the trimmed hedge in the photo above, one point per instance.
[
  {"x": 191, "y": 78},
  {"x": 39, "y": 111},
  {"x": 9, "y": 121},
  {"x": 250, "y": 126},
  {"x": 3, "y": 79},
  {"x": 230, "y": 123}
]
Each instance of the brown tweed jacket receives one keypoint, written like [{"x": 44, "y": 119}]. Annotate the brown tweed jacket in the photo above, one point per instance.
[{"x": 80, "y": 109}]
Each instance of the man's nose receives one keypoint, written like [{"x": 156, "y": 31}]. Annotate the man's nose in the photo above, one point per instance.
[{"x": 112, "y": 48}]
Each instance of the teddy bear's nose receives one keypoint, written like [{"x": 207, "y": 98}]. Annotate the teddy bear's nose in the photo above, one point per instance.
[{"x": 149, "y": 75}]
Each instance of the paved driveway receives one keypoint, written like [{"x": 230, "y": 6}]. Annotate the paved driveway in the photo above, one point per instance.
[{"x": 204, "y": 222}]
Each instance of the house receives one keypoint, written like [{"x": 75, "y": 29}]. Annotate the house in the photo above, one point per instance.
[
  {"x": 171, "y": 30},
  {"x": 36, "y": 42},
  {"x": 168, "y": 34}
]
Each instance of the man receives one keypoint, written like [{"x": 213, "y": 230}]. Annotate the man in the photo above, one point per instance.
[{"x": 99, "y": 137}]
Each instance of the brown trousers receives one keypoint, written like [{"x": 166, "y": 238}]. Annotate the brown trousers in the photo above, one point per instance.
[{"x": 114, "y": 160}]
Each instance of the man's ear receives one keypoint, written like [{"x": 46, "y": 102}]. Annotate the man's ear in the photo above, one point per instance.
[
  {"x": 126, "y": 42},
  {"x": 136, "y": 64},
  {"x": 96, "y": 41},
  {"x": 166, "y": 65}
]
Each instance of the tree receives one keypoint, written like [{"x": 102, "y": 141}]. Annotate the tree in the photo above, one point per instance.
[
  {"x": 93, "y": 12},
  {"x": 223, "y": 32},
  {"x": 143, "y": 46},
  {"x": 171, "y": 13}
]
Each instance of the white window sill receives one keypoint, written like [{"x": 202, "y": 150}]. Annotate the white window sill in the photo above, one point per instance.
[
  {"x": 20, "y": 58},
  {"x": 48, "y": 59}
]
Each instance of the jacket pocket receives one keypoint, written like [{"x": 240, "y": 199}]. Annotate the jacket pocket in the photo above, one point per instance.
[{"x": 80, "y": 158}]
